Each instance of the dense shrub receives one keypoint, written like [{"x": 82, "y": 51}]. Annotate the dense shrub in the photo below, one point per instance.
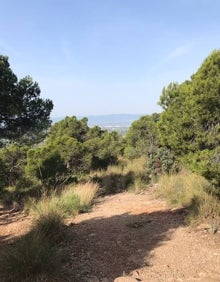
[{"x": 160, "y": 161}]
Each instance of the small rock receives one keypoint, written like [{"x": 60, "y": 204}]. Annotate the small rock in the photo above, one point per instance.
[
  {"x": 11, "y": 242},
  {"x": 91, "y": 234}
]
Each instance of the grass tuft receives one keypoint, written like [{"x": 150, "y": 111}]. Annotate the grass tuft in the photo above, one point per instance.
[
  {"x": 50, "y": 226},
  {"x": 179, "y": 190},
  {"x": 35, "y": 256},
  {"x": 193, "y": 192},
  {"x": 31, "y": 257},
  {"x": 86, "y": 193},
  {"x": 67, "y": 203}
]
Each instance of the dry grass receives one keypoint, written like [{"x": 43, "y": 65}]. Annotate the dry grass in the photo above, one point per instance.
[
  {"x": 128, "y": 174},
  {"x": 191, "y": 191},
  {"x": 180, "y": 189},
  {"x": 35, "y": 256},
  {"x": 32, "y": 257},
  {"x": 138, "y": 186},
  {"x": 67, "y": 203},
  {"x": 86, "y": 193},
  {"x": 50, "y": 225},
  {"x": 206, "y": 210},
  {"x": 44, "y": 206},
  {"x": 137, "y": 166}
]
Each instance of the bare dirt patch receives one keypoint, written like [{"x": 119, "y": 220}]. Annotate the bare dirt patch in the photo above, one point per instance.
[
  {"x": 12, "y": 225},
  {"x": 133, "y": 235}
]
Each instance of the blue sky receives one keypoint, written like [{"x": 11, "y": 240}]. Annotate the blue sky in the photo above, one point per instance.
[{"x": 107, "y": 56}]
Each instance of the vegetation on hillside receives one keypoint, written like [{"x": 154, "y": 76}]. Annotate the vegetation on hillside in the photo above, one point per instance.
[
  {"x": 190, "y": 122},
  {"x": 56, "y": 171},
  {"x": 185, "y": 134}
]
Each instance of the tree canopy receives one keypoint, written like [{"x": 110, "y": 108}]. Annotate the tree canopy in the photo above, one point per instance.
[
  {"x": 142, "y": 136},
  {"x": 190, "y": 122},
  {"x": 75, "y": 149},
  {"x": 23, "y": 114}
]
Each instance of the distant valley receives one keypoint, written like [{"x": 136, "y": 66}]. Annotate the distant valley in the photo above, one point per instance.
[{"x": 116, "y": 122}]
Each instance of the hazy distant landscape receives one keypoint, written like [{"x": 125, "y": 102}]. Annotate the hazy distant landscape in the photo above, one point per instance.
[{"x": 114, "y": 122}]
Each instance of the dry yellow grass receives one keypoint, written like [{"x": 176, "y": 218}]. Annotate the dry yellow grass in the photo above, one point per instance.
[
  {"x": 180, "y": 189},
  {"x": 86, "y": 193},
  {"x": 192, "y": 191}
]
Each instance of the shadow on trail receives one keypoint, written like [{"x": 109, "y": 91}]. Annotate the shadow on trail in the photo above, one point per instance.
[
  {"x": 108, "y": 247},
  {"x": 4, "y": 239}
]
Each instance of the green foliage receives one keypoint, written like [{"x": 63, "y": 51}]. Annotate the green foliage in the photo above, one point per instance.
[
  {"x": 103, "y": 150},
  {"x": 12, "y": 163},
  {"x": 206, "y": 163},
  {"x": 190, "y": 122},
  {"x": 3, "y": 173},
  {"x": 142, "y": 136},
  {"x": 54, "y": 205},
  {"x": 71, "y": 127},
  {"x": 46, "y": 164},
  {"x": 23, "y": 114},
  {"x": 51, "y": 166},
  {"x": 72, "y": 149},
  {"x": 161, "y": 161},
  {"x": 72, "y": 153},
  {"x": 69, "y": 203},
  {"x": 176, "y": 130}
]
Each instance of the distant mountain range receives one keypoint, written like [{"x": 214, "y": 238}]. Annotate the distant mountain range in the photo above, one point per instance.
[{"x": 108, "y": 121}]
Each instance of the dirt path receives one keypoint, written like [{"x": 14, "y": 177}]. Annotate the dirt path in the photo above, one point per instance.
[
  {"x": 135, "y": 235},
  {"x": 138, "y": 235}
]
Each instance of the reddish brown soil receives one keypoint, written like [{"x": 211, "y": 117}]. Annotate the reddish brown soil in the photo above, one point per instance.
[{"x": 134, "y": 235}]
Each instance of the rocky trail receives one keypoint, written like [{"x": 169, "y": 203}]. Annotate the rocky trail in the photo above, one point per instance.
[{"x": 134, "y": 237}]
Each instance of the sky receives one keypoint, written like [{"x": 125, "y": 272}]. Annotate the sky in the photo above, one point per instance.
[{"x": 94, "y": 57}]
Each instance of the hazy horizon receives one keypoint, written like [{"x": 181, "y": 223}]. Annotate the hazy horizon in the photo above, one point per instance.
[{"x": 107, "y": 57}]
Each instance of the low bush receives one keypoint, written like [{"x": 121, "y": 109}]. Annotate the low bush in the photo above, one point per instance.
[{"x": 193, "y": 192}]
